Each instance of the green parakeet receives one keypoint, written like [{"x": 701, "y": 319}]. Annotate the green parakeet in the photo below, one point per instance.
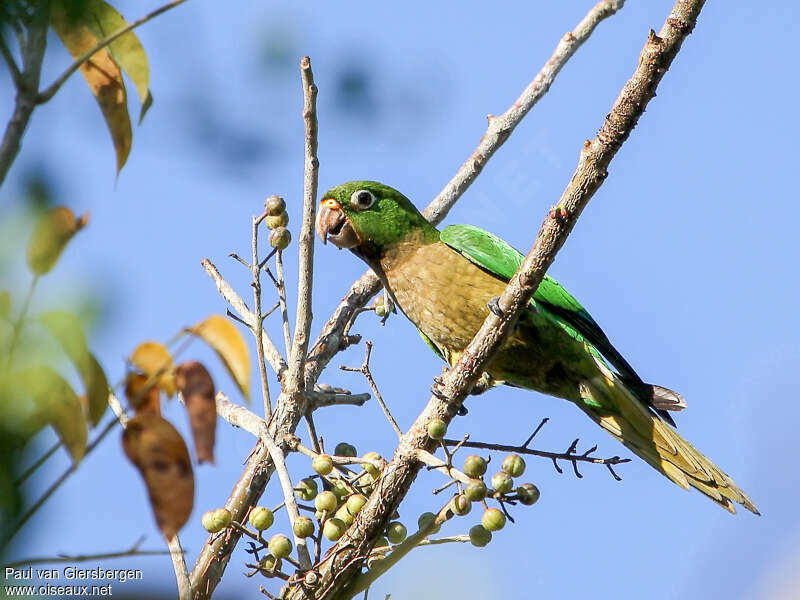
[{"x": 445, "y": 282}]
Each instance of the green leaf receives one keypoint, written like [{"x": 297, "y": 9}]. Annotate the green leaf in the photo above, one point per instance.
[
  {"x": 53, "y": 231},
  {"x": 67, "y": 330},
  {"x": 5, "y": 304},
  {"x": 58, "y": 405},
  {"x": 126, "y": 50}
]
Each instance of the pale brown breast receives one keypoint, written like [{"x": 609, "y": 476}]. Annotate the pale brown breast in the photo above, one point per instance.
[{"x": 444, "y": 294}]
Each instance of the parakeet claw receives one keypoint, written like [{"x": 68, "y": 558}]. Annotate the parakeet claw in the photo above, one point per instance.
[{"x": 494, "y": 306}]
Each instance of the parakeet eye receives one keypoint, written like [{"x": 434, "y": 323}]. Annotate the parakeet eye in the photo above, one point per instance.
[{"x": 362, "y": 199}]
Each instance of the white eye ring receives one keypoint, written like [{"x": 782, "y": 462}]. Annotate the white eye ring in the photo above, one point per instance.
[{"x": 362, "y": 199}]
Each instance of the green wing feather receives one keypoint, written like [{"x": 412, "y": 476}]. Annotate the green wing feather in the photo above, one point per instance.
[{"x": 502, "y": 260}]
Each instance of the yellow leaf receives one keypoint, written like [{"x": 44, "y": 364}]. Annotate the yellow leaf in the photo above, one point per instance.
[
  {"x": 227, "y": 342},
  {"x": 197, "y": 389},
  {"x": 67, "y": 329},
  {"x": 54, "y": 228},
  {"x": 126, "y": 50},
  {"x": 101, "y": 72},
  {"x": 58, "y": 405},
  {"x": 153, "y": 359}
]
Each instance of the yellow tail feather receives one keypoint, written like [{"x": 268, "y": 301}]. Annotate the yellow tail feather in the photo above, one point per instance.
[{"x": 632, "y": 423}]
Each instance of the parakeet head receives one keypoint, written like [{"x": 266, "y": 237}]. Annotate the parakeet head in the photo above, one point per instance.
[{"x": 367, "y": 216}]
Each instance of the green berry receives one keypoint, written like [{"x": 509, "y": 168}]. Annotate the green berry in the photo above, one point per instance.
[
  {"x": 279, "y": 546},
  {"x": 340, "y": 488},
  {"x": 279, "y": 238},
  {"x": 436, "y": 429},
  {"x": 493, "y": 519},
  {"x": 396, "y": 532},
  {"x": 380, "y": 309},
  {"x": 345, "y": 449},
  {"x": 322, "y": 464},
  {"x": 381, "y": 543},
  {"x": 275, "y": 221},
  {"x": 261, "y": 518},
  {"x": 274, "y": 205},
  {"x": 475, "y": 492},
  {"x": 306, "y": 489},
  {"x": 425, "y": 521},
  {"x": 216, "y": 520},
  {"x": 355, "y": 503},
  {"x": 474, "y": 466},
  {"x": 513, "y": 465},
  {"x": 369, "y": 467},
  {"x": 344, "y": 515},
  {"x": 460, "y": 505},
  {"x": 528, "y": 494},
  {"x": 480, "y": 536},
  {"x": 333, "y": 529},
  {"x": 270, "y": 565},
  {"x": 502, "y": 482},
  {"x": 326, "y": 500},
  {"x": 303, "y": 527}
]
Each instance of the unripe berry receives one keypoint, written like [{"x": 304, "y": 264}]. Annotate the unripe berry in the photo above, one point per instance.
[
  {"x": 474, "y": 466},
  {"x": 344, "y": 515},
  {"x": 306, "y": 489},
  {"x": 381, "y": 543},
  {"x": 528, "y": 494},
  {"x": 261, "y": 518},
  {"x": 369, "y": 467},
  {"x": 502, "y": 482},
  {"x": 493, "y": 519},
  {"x": 279, "y": 546},
  {"x": 425, "y": 520},
  {"x": 345, "y": 449},
  {"x": 274, "y": 205},
  {"x": 270, "y": 565},
  {"x": 216, "y": 520},
  {"x": 333, "y": 529},
  {"x": 437, "y": 429},
  {"x": 322, "y": 464},
  {"x": 303, "y": 527},
  {"x": 380, "y": 309},
  {"x": 275, "y": 221},
  {"x": 396, "y": 532},
  {"x": 340, "y": 488},
  {"x": 475, "y": 492},
  {"x": 460, "y": 505},
  {"x": 355, "y": 503},
  {"x": 513, "y": 465},
  {"x": 279, "y": 238},
  {"x": 326, "y": 500},
  {"x": 480, "y": 536}
]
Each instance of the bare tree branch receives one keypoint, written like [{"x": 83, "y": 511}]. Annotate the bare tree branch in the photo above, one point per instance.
[
  {"x": 344, "y": 560},
  {"x": 73, "y": 558},
  {"x": 179, "y": 565}
]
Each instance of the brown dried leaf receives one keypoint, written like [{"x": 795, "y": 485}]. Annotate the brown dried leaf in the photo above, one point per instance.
[
  {"x": 58, "y": 405},
  {"x": 142, "y": 398},
  {"x": 53, "y": 230},
  {"x": 197, "y": 388},
  {"x": 154, "y": 360},
  {"x": 101, "y": 72},
  {"x": 158, "y": 451},
  {"x": 229, "y": 345}
]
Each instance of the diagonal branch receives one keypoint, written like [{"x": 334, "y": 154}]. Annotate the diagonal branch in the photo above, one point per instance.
[{"x": 344, "y": 560}]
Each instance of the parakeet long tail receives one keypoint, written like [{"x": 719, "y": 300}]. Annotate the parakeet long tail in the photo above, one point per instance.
[{"x": 613, "y": 406}]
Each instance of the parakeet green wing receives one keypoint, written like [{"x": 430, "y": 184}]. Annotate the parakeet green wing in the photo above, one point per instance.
[{"x": 502, "y": 260}]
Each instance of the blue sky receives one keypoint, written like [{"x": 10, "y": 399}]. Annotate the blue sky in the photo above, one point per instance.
[{"x": 687, "y": 257}]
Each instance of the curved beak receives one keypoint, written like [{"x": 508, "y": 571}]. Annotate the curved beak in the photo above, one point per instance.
[{"x": 332, "y": 224}]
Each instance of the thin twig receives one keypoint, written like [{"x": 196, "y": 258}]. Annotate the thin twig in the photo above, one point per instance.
[
  {"x": 32, "y": 469},
  {"x": 321, "y": 399},
  {"x": 229, "y": 294},
  {"x": 179, "y": 565},
  {"x": 278, "y": 460},
  {"x": 305, "y": 274},
  {"x": 280, "y": 285},
  {"x": 16, "y": 75},
  {"x": 364, "y": 370},
  {"x": 239, "y": 416},
  {"x": 48, "y": 93},
  {"x": 72, "y": 558},
  {"x": 258, "y": 324}
]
